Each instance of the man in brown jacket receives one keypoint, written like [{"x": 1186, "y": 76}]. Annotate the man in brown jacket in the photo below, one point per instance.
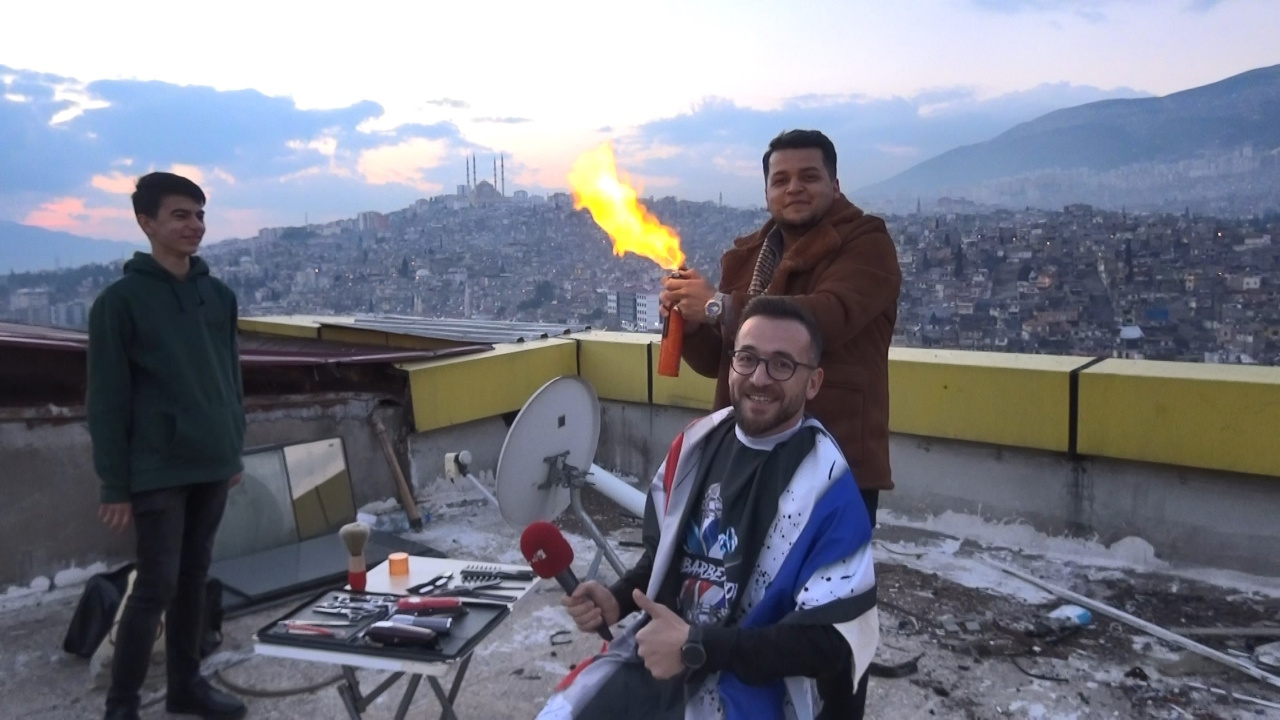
[{"x": 837, "y": 261}]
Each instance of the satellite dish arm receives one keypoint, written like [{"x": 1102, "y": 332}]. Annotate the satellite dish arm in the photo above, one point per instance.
[
  {"x": 618, "y": 490},
  {"x": 638, "y": 577}
]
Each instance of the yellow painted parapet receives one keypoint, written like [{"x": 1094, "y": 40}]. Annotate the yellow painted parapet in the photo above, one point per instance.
[
  {"x": 455, "y": 390},
  {"x": 616, "y": 364},
  {"x": 302, "y": 326},
  {"x": 321, "y": 327},
  {"x": 372, "y": 336},
  {"x": 999, "y": 398},
  {"x": 624, "y": 367},
  {"x": 1189, "y": 414},
  {"x": 688, "y": 390},
  {"x": 1221, "y": 417}
]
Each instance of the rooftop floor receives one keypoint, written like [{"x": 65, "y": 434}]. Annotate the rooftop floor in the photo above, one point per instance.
[{"x": 928, "y": 579}]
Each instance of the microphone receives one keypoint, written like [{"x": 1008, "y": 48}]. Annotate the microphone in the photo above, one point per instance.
[{"x": 550, "y": 555}]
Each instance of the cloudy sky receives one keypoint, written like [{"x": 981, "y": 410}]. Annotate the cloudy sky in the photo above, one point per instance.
[{"x": 283, "y": 113}]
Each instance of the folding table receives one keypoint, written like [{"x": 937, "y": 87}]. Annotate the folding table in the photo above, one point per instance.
[{"x": 380, "y": 581}]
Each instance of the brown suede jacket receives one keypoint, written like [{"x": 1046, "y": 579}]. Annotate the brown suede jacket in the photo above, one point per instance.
[{"x": 845, "y": 271}]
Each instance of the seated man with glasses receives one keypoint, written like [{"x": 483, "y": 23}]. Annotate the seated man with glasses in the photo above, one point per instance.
[{"x": 756, "y": 585}]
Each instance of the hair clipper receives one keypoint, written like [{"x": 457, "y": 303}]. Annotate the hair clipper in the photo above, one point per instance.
[{"x": 392, "y": 633}]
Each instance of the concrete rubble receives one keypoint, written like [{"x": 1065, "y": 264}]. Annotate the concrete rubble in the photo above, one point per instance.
[{"x": 968, "y": 627}]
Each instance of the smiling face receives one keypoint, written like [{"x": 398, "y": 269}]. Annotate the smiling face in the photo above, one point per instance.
[
  {"x": 799, "y": 190},
  {"x": 765, "y": 406},
  {"x": 177, "y": 228}
]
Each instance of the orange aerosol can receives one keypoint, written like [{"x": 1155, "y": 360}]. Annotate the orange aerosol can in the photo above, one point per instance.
[{"x": 672, "y": 341}]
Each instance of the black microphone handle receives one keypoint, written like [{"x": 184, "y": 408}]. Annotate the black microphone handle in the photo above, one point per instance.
[{"x": 569, "y": 582}]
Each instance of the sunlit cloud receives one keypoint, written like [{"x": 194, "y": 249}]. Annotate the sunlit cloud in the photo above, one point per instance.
[
  {"x": 77, "y": 101},
  {"x": 326, "y": 146},
  {"x": 191, "y": 172},
  {"x": 403, "y": 163},
  {"x": 315, "y": 171},
  {"x": 74, "y": 215},
  {"x": 116, "y": 183}
]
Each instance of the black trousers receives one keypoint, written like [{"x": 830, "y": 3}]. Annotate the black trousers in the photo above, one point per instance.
[
  {"x": 175, "y": 529},
  {"x": 870, "y": 498},
  {"x": 837, "y": 690}
]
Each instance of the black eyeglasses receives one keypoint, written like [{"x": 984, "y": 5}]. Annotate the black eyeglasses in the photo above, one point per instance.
[{"x": 745, "y": 362}]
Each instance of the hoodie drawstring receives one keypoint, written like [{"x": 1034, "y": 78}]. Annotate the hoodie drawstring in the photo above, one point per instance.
[{"x": 173, "y": 287}]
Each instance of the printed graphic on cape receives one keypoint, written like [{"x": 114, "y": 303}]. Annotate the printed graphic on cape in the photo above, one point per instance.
[{"x": 704, "y": 594}]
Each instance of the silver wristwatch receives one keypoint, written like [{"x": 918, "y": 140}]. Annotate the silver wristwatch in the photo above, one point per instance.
[{"x": 715, "y": 307}]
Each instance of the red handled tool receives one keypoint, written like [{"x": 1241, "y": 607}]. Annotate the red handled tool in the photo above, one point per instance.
[{"x": 420, "y": 605}]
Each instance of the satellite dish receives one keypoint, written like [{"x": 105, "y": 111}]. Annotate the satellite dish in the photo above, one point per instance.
[
  {"x": 546, "y": 461},
  {"x": 562, "y": 417}
]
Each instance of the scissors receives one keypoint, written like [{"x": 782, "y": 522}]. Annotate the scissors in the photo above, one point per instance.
[
  {"x": 432, "y": 586},
  {"x": 350, "y": 614}
]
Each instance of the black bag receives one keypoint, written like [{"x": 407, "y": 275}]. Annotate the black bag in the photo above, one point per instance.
[
  {"x": 100, "y": 601},
  {"x": 211, "y": 637},
  {"x": 96, "y": 612}
]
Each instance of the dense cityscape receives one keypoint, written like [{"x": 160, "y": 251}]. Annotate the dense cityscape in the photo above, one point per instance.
[{"x": 1079, "y": 280}]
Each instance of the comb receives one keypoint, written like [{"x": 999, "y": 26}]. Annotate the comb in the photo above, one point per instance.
[{"x": 488, "y": 573}]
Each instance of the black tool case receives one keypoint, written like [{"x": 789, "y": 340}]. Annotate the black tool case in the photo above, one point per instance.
[{"x": 467, "y": 630}]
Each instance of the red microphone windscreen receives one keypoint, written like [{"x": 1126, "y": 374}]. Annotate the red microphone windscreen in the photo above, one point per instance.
[{"x": 548, "y": 553}]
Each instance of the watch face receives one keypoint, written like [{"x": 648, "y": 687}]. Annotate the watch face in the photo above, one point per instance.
[{"x": 693, "y": 655}]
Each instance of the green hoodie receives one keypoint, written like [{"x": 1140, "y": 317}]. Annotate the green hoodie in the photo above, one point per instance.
[{"x": 165, "y": 400}]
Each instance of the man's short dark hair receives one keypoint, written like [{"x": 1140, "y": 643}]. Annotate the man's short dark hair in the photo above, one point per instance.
[
  {"x": 803, "y": 140},
  {"x": 154, "y": 187},
  {"x": 781, "y": 307}
]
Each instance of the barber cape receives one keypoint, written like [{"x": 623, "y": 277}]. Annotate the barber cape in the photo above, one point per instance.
[{"x": 814, "y": 567}]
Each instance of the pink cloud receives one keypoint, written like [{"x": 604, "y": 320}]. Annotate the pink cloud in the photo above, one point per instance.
[{"x": 71, "y": 214}]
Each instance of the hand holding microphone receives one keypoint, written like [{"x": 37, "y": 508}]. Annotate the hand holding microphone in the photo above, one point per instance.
[
  {"x": 592, "y": 606},
  {"x": 550, "y": 555}
]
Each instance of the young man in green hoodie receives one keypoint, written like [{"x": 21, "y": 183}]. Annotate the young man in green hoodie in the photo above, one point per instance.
[{"x": 166, "y": 415}]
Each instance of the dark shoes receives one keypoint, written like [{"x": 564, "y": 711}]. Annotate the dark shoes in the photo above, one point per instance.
[
  {"x": 122, "y": 713},
  {"x": 202, "y": 699}
]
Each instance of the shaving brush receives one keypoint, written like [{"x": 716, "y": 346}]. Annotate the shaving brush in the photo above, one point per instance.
[{"x": 355, "y": 536}]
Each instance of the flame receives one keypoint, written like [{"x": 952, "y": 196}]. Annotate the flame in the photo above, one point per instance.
[{"x": 613, "y": 205}]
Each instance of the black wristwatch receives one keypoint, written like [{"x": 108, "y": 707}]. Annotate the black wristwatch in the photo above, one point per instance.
[{"x": 692, "y": 654}]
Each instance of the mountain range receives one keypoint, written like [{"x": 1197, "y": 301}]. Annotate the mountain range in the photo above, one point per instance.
[
  {"x": 24, "y": 248},
  {"x": 1214, "y": 146}
]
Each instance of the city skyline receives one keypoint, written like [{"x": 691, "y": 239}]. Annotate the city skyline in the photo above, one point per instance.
[{"x": 282, "y": 125}]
